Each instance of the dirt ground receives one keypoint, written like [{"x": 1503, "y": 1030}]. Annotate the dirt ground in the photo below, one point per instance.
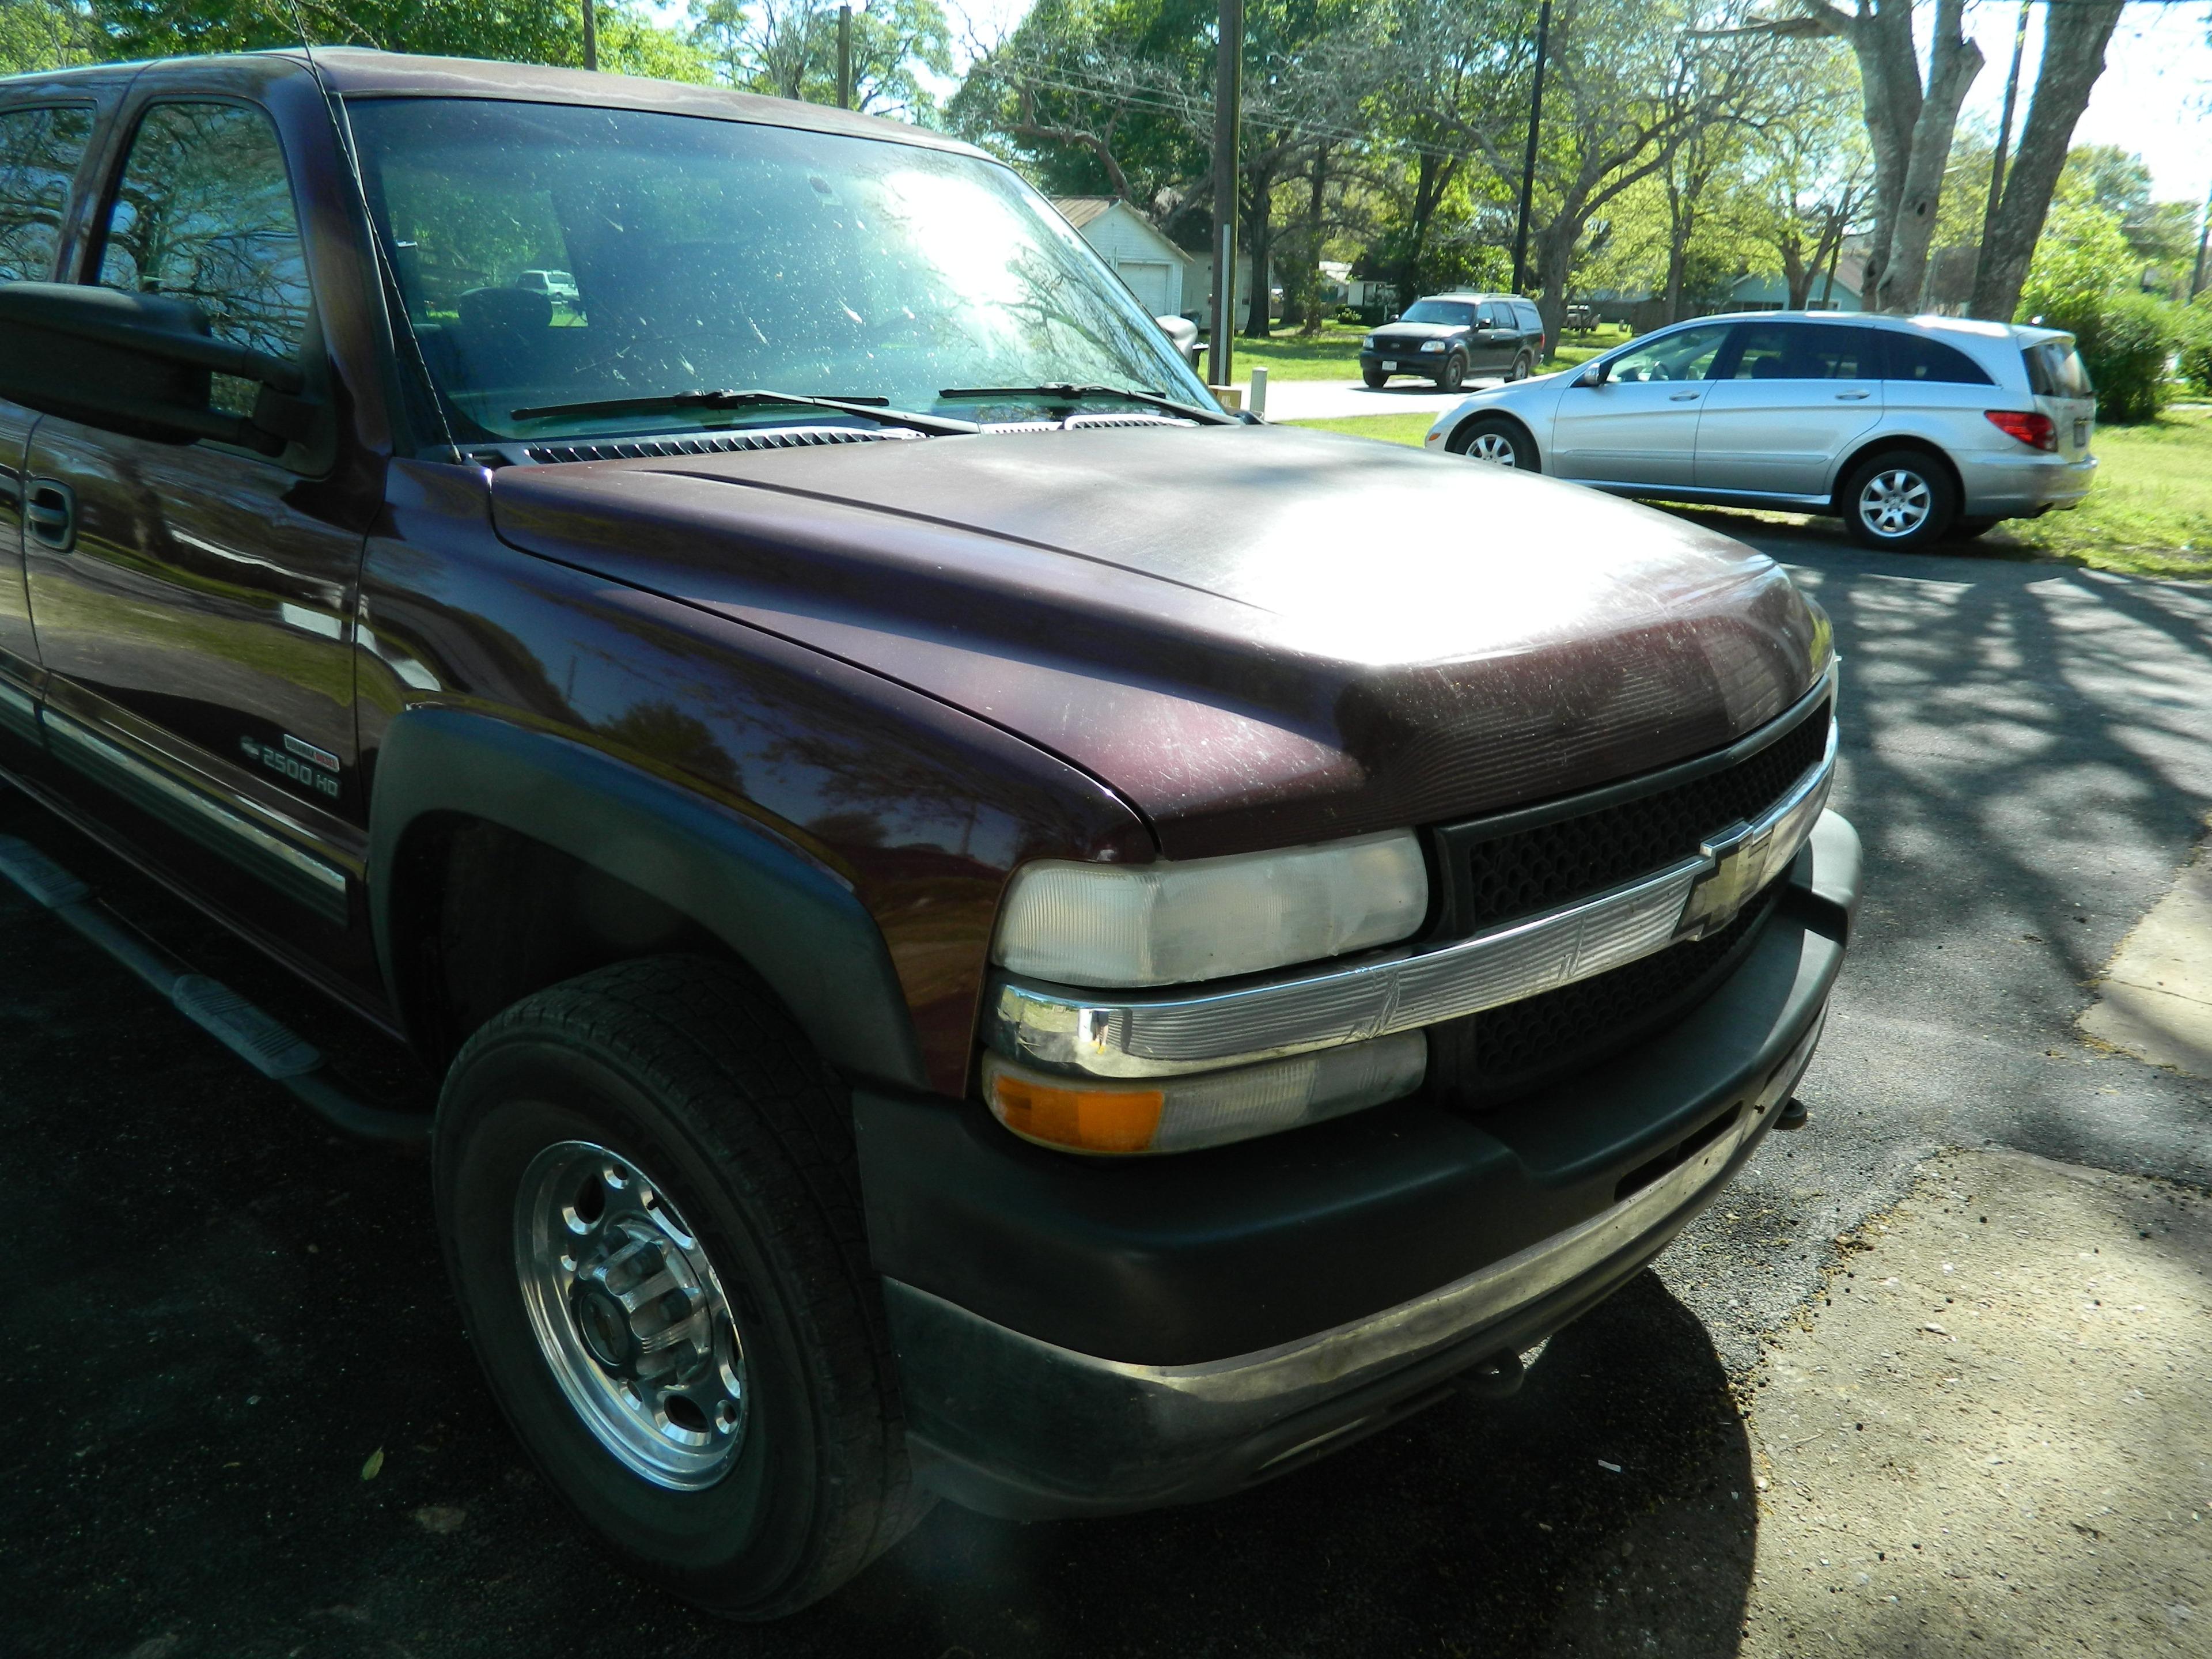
[{"x": 1994, "y": 1432}]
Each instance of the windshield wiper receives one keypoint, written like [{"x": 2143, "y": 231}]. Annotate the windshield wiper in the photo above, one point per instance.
[
  {"x": 1076, "y": 394},
  {"x": 672, "y": 402}
]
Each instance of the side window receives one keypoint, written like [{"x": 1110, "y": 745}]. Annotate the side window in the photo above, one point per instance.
[
  {"x": 1685, "y": 354},
  {"x": 1801, "y": 351},
  {"x": 1531, "y": 320},
  {"x": 203, "y": 213},
  {"x": 1917, "y": 357},
  {"x": 39, "y": 149},
  {"x": 1763, "y": 352}
]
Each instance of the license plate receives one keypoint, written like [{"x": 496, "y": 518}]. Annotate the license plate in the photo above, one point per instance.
[
  {"x": 2080, "y": 433},
  {"x": 1388, "y": 368}
]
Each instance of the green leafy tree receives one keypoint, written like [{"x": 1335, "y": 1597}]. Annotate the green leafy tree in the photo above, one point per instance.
[{"x": 788, "y": 49}]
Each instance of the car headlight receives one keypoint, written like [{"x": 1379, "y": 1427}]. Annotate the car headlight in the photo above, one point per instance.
[
  {"x": 1176, "y": 922},
  {"x": 1367, "y": 343},
  {"x": 1432, "y": 345}
]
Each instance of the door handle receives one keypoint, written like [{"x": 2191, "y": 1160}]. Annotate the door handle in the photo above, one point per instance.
[
  {"x": 1851, "y": 397},
  {"x": 50, "y": 515},
  {"x": 1683, "y": 397}
]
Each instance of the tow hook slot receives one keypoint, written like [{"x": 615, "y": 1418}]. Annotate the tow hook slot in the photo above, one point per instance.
[{"x": 1677, "y": 1155}]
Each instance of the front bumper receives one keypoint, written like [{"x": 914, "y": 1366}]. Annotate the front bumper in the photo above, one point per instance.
[
  {"x": 1080, "y": 1339},
  {"x": 1429, "y": 365},
  {"x": 2012, "y": 485}
]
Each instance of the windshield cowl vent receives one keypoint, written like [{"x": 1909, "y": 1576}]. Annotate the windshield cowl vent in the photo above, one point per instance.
[
  {"x": 1077, "y": 422},
  {"x": 719, "y": 443}
]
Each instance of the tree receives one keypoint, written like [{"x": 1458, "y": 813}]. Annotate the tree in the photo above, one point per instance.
[
  {"x": 43, "y": 34},
  {"x": 788, "y": 49},
  {"x": 2073, "y": 41}
]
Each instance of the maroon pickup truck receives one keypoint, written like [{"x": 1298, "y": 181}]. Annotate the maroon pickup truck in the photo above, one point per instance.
[{"x": 991, "y": 931}]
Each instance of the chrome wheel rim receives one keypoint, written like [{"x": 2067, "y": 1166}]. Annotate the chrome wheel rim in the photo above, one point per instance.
[
  {"x": 1494, "y": 447},
  {"x": 631, "y": 1315},
  {"x": 1896, "y": 502}
]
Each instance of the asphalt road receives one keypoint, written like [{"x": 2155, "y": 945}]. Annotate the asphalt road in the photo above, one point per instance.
[{"x": 216, "y": 1311}]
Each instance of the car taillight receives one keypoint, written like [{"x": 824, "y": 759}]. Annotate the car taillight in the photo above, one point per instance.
[{"x": 2036, "y": 431}]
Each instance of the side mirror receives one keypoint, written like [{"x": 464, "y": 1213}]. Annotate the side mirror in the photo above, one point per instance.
[
  {"x": 139, "y": 364},
  {"x": 1593, "y": 375},
  {"x": 1183, "y": 333}
]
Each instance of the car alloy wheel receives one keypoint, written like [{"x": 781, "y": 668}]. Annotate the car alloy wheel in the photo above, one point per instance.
[
  {"x": 1895, "y": 504},
  {"x": 1493, "y": 447},
  {"x": 631, "y": 1315}
]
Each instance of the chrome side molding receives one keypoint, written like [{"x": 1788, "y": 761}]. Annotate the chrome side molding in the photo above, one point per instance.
[{"x": 1109, "y": 1035}]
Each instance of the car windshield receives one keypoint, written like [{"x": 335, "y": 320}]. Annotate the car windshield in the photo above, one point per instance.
[
  {"x": 550, "y": 254},
  {"x": 1439, "y": 311}
]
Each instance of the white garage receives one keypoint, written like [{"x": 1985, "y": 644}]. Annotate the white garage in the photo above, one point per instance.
[{"x": 1151, "y": 266}]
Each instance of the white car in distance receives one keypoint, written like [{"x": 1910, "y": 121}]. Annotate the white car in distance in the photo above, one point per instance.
[{"x": 1909, "y": 428}]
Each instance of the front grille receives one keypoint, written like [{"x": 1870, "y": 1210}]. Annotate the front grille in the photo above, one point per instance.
[
  {"x": 1520, "y": 872},
  {"x": 1492, "y": 1056}
]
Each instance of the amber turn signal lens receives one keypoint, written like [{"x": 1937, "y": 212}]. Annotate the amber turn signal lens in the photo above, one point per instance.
[{"x": 1085, "y": 1119}]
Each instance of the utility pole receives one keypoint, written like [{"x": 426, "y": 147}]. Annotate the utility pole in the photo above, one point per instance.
[
  {"x": 844, "y": 58},
  {"x": 2203, "y": 236},
  {"x": 2004, "y": 137},
  {"x": 591, "y": 34},
  {"x": 1528, "y": 157},
  {"x": 1228, "y": 105}
]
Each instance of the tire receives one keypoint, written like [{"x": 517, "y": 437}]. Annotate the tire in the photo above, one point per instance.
[
  {"x": 1499, "y": 442},
  {"x": 779, "y": 1471},
  {"x": 1455, "y": 373},
  {"x": 1898, "y": 498},
  {"x": 1523, "y": 366},
  {"x": 1376, "y": 378},
  {"x": 1965, "y": 529}
]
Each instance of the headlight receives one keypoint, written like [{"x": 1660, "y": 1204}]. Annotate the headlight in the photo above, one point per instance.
[
  {"x": 1172, "y": 923},
  {"x": 1432, "y": 345},
  {"x": 1183, "y": 1114},
  {"x": 1367, "y": 343}
]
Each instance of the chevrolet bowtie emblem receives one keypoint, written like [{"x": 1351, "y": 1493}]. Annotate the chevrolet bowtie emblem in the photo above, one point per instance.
[{"x": 1739, "y": 859}]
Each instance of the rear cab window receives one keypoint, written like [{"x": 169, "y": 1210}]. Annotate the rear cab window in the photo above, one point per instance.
[{"x": 40, "y": 150}]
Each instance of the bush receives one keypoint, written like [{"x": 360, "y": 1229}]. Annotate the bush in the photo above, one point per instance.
[{"x": 2196, "y": 344}]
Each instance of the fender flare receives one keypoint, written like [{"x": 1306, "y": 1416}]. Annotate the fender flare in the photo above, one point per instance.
[{"x": 793, "y": 920}]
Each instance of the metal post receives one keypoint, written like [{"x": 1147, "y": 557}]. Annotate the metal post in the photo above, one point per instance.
[
  {"x": 844, "y": 58},
  {"x": 2004, "y": 137},
  {"x": 1528, "y": 158},
  {"x": 591, "y": 34},
  {"x": 1228, "y": 104}
]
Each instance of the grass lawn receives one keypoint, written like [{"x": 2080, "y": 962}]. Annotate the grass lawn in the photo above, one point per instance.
[
  {"x": 1334, "y": 353},
  {"x": 2149, "y": 515}
]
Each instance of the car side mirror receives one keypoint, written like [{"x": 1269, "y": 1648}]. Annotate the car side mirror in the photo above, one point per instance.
[
  {"x": 1592, "y": 376},
  {"x": 140, "y": 364},
  {"x": 1183, "y": 333}
]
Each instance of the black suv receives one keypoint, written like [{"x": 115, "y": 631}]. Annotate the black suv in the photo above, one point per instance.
[{"x": 1448, "y": 336}]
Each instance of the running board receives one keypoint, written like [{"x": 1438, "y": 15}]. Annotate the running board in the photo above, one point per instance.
[{"x": 255, "y": 1037}]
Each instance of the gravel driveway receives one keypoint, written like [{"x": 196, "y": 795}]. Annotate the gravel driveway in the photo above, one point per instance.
[{"x": 217, "y": 1312}]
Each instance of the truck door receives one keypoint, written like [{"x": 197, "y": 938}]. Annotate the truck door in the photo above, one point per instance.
[
  {"x": 42, "y": 147},
  {"x": 193, "y": 603}
]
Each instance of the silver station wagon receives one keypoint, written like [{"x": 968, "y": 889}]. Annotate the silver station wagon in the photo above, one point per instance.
[{"x": 1910, "y": 428}]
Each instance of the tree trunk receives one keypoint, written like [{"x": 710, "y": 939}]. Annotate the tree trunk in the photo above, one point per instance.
[
  {"x": 1680, "y": 216},
  {"x": 1555, "y": 250},
  {"x": 1260, "y": 235},
  {"x": 1310, "y": 298},
  {"x": 1954, "y": 61},
  {"x": 2074, "y": 44},
  {"x": 1797, "y": 275}
]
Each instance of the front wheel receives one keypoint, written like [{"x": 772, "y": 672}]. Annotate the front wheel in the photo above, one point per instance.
[
  {"x": 1497, "y": 440},
  {"x": 1900, "y": 498},
  {"x": 648, "y": 1196},
  {"x": 1455, "y": 374},
  {"x": 1376, "y": 378}
]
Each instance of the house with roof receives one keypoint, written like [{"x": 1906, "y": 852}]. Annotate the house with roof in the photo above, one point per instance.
[{"x": 1154, "y": 268}]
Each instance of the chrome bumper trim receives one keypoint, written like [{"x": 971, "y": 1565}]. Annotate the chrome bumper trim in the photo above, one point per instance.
[{"x": 1063, "y": 1028}]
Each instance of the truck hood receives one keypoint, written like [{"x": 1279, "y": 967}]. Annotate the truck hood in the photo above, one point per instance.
[{"x": 1259, "y": 635}]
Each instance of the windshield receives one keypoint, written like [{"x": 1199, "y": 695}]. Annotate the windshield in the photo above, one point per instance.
[
  {"x": 549, "y": 254},
  {"x": 1438, "y": 311}
]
